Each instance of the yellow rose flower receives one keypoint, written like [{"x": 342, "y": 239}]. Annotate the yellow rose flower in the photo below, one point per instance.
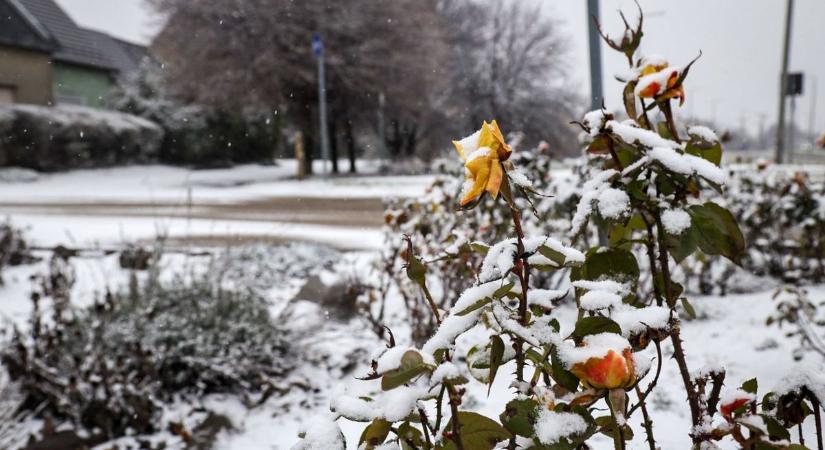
[{"x": 482, "y": 153}]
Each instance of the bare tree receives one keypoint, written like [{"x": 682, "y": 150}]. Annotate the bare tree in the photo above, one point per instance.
[
  {"x": 512, "y": 68},
  {"x": 256, "y": 53}
]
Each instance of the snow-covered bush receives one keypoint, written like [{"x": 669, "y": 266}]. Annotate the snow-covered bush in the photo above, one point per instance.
[
  {"x": 195, "y": 134},
  {"x": 67, "y": 137},
  {"x": 108, "y": 369},
  {"x": 13, "y": 248},
  {"x": 783, "y": 219},
  {"x": 445, "y": 239},
  {"x": 573, "y": 377}
]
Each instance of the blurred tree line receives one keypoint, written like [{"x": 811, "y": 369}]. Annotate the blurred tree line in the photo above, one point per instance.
[{"x": 429, "y": 69}]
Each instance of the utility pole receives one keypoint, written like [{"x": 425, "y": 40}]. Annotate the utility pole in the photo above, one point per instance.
[
  {"x": 596, "y": 93},
  {"x": 382, "y": 130},
  {"x": 318, "y": 50},
  {"x": 783, "y": 84},
  {"x": 812, "y": 114}
]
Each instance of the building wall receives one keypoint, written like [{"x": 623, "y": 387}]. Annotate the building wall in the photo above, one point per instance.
[
  {"x": 81, "y": 85},
  {"x": 26, "y": 76}
]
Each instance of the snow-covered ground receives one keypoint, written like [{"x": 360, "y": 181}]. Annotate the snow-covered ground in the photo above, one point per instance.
[
  {"x": 731, "y": 330},
  {"x": 167, "y": 184},
  {"x": 106, "y": 207}
]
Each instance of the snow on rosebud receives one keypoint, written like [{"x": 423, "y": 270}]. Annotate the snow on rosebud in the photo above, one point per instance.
[
  {"x": 733, "y": 401},
  {"x": 660, "y": 81},
  {"x": 604, "y": 361},
  {"x": 483, "y": 153}
]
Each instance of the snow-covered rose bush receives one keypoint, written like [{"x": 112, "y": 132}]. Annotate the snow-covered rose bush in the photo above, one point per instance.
[{"x": 569, "y": 378}]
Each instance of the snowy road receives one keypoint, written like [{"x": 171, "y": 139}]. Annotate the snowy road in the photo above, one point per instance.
[{"x": 108, "y": 207}]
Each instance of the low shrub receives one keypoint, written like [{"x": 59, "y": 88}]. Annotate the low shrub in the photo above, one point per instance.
[
  {"x": 68, "y": 137},
  {"x": 197, "y": 135},
  {"x": 13, "y": 248},
  {"x": 109, "y": 368}
]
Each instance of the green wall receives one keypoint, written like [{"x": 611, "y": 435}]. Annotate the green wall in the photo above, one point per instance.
[{"x": 81, "y": 85}]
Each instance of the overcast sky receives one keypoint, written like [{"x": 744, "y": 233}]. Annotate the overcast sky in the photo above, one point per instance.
[{"x": 737, "y": 79}]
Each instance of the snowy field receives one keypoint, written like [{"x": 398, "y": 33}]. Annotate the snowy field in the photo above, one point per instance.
[
  {"x": 106, "y": 207},
  {"x": 731, "y": 331}
]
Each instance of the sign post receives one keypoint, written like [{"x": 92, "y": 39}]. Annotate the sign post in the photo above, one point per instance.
[{"x": 318, "y": 51}]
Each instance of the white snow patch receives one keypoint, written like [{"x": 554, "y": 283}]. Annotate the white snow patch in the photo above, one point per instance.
[
  {"x": 637, "y": 320},
  {"x": 675, "y": 221},
  {"x": 322, "y": 433},
  {"x": 552, "y": 426},
  {"x": 596, "y": 300},
  {"x": 633, "y": 134},
  {"x": 595, "y": 346},
  {"x": 703, "y": 132},
  {"x": 613, "y": 203},
  {"x": 687, "y": 164}
]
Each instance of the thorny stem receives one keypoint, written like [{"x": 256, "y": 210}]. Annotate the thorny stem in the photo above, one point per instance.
[
  {"x": 679, "y": 356},
  {"x": 438, "y": 414},
  {"x": 614, "y": 155},
  {"x": 678, "y": 350},
  {"x": 618, "y": 438},
  {"x": 817, "y": 420},
  {"x": 523, "y": 274},
  {"x": 456, "y": 427},
  {"x": 668, "y": 112},
  {"x": 425, "y": 425},
  {"x": 651, "y": 255},
  {"x": 643, "y": 395},
  {"x": 431, "y": 302},
  {"x": 648, "y": 424},
  {"x": 646, "y": 123}
]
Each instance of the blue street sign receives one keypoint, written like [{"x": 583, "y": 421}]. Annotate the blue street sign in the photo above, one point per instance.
[{"x": 317, "y": 45}]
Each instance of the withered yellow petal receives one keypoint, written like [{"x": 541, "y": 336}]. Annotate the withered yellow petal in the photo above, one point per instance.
[{"x": 496, "y": 176}]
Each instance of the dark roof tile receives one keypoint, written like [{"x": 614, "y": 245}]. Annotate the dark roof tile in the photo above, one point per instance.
[{"x": 79, "y": 45}]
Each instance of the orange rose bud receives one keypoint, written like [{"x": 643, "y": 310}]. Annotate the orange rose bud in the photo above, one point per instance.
[
  {"x": 731, "y": 403},
  {"x": 610, "y": 368},
  {"x": 660, "y": 83}
]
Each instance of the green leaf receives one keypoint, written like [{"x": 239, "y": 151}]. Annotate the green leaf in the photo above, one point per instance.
[
  {"x": 553, "y": 255},
  {"x": 410, "y": 437},
  {"x": 775, "y": 430},
  {"x": 595, "y": 325},
  {"x": 480, "y": 247},
  {"x": 719, "y": 234},
  {"x": 661, "y": 127},
  {"x": 416, "y": 270},
  {"x": 561, "y": 375},
  {"x": 519, "y": 416},
  {"x": 688, "y": 308},
  {"x": 599, "y": 146},
  {"x": 629, "y": 98},
  {"x": 500, "y": 292},
  {"x": 496, "y": 356},
  {"x": 614, "y": 263},
  {"x": 477, "y": 432},
  {"x": 711, "y": 151},
  {"x": 750, "y": 386},
  {"x": 375, "y": 434},
  {"x": 627, "y": 154},
  {"x": 683, "y": 245},
  {"x": 607, "y": 425},
  {"x": 412, "y": 365}
]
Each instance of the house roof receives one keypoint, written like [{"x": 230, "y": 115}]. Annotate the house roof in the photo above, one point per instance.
[
  {"x": 18, "y": 29},
  {"x": 79, "y": 45}
]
